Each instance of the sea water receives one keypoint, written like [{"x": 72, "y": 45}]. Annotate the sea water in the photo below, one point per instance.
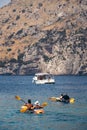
[{"x": 57, "y": 116}]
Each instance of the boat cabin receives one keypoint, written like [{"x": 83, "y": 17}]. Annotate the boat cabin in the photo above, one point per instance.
[{"x": 43, "y": 78}]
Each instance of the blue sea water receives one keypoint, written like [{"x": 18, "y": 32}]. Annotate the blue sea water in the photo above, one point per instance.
[{"x": 57, "y": 116}]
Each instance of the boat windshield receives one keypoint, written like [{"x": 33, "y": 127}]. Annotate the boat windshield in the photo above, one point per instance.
[{"x": 42, "y": 77}]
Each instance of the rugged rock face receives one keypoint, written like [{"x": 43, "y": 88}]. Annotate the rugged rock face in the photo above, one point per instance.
[{"x": 43, "y": 36}]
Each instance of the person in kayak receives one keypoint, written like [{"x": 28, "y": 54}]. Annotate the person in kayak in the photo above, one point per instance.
[
  {"x": 29, "y": 105},
  {"x": 64, "y": 98},
  {"x": 37, "y": 105},
  {"x": 61, "y": 97}
]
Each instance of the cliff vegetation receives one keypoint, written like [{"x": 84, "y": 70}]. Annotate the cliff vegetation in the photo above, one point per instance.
[{"x": 43, "y": 36}]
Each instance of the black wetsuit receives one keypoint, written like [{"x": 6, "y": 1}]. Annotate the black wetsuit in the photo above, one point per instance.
[{"x": 65, "y": 98}]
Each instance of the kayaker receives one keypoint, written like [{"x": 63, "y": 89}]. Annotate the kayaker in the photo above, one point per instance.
[
  {"x": 37, "y": 105},
  {"x": 61, "y": 97},
  {"x": 65, "y": 98},
  {"x": 29, "y": 105}
]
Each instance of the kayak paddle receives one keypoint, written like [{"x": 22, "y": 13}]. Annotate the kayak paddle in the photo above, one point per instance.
[
  {"x": 72, "y": 100},
  {"x": 18, "y": 98},
  {"x": 53, "y": 99},
  {"x": 23, "y": 109},
  {"x": 44, "y": 104}
]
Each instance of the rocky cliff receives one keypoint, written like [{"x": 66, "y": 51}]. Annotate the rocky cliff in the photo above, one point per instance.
[{"x": 43, "y": 36}]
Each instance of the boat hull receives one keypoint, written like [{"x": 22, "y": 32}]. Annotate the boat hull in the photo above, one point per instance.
[{"x": 44, "y": 82}]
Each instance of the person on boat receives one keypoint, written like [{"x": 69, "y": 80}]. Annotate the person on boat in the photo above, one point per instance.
[
  {"x": 37, "y": 105},
  {"x": 29, "y": 105}
]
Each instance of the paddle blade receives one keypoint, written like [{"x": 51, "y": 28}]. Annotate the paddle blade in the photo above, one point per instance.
[
  {"x": 72, "y": 100},
  {"x": 23, "y": 109},
  {"x": 17, "y": 98},
  {"x": 52, "y": 99},
  {"x": 44, "y": 104}
]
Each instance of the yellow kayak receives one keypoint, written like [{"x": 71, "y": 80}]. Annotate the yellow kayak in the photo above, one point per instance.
[
  {"x": 36, "y": 111},
  {"x": 57, "y": 99},
  {"x": 39, "y": 111}
]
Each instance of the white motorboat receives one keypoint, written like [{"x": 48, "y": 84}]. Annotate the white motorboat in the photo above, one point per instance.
[{"x": 43, "y": 78}]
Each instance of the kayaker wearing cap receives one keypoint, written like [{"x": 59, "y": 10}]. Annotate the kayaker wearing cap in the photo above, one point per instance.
[{"x": 37, "y": 105}]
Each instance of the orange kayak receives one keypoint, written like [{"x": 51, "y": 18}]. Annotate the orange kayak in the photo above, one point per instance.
[{"x": 36, "y": 111}]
